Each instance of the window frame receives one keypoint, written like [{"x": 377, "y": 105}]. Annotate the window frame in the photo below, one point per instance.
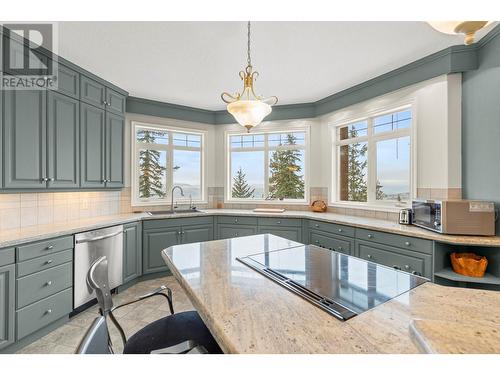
[
  {"x": 169, "y": 148},
  {"x": 371, "y": 138},
  {"x": 291, "y": 128}
]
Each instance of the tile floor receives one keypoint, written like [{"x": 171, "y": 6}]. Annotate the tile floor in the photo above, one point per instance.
[{"x": 66, "y": 338}]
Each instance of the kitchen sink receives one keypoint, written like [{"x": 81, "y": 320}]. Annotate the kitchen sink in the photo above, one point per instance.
[{"x": 170, "y": 212}]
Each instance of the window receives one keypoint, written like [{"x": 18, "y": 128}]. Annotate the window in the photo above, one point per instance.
[
  {"x": 374, "y": 159},
  {"x": 164, "y": 158},
  {"x": 267, "y": 166}
]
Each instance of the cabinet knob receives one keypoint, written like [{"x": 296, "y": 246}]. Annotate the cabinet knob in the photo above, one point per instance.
[
  {"x": 236, "y": 234},
  {"x": 316, "y": 225},
  {"x": 278, "y": 222},
  {"x": 44, "y": 179},
  {"x": 340, "y": 230},
  {"x": 370, "y": 236},
  {"x": 235, "y": 220},
  {"x": 340, "y": 248},
  {"x": 49, "y": 261},
  {"x": 48, "y": 283},
  {"x": 407, "y": 267},
  {"x": 369, "y": 256},
  {"x": 50, "y": 247},
  {"x": 316, "y": 241},
  {"x": 51, "y": 179},
  {"x": 48, "y": 312},
  {"x": 104, "y": 102},
  {"x": 407, "y": 243},
  {"x": 396, "y": 267},
  {"x": 183, "y": 232}
]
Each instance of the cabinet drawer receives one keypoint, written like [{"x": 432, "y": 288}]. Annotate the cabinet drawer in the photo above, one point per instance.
[
  {"x": 41, "y": 248},
  {"x": 7, "y": 256},
  {"x": 42, "y": 284},
  {"x": 42, "y": 263},
  {"x": 38, "y": 315},
  {"x": 335, "y": 243},
  {"x": 407, "y": 261},
  {"x": 238, "y": 220},
  {"x": 410, "y": 243},
  {"x": 290, "y": 233},
  {"x": 233, "y": 231},
  {"x": 343, "y": 230},
  {"x": 166, "y": 223},
  {"x": 279, "y": 222}
]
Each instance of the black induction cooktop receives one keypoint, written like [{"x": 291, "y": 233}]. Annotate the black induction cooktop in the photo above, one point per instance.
[{"x": 340, "y": 284}]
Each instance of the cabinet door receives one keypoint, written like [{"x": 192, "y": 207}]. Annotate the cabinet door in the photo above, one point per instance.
[
  {"x": 192, "y": 234},
  {"x": 91, "y": 146},
  {"x": 132, "y": 252},
  {"x": 115, "y": 101},
  {"x": 63, "y": 139},
  {"x": 328, "y": 241},
  {"x": 7, "y": 303},
  {"x": 92, "y": 92},
  {"x": 114, "y": 150},
  {"x": 24, "y": 122},
  {"x": 154, "y": 241},
  {"x": 233, "y": 231},
  {"x": 290, "y": 233},
  {"x": 68, "y": 81}
]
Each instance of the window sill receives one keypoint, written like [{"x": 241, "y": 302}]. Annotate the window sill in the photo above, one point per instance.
[
  {"x": 161, "y": 204},
  {"x": 268, "y": 202},
  {"x": 368, "y": 207}
]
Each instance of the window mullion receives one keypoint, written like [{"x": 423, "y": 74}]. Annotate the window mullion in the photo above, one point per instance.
[
  {"x": 266, "y": 166},
  {"x": 170, "y": 164},
  {"x": 372, "y": 164}
]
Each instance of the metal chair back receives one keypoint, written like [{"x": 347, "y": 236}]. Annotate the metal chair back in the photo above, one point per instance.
[
  {"x": 97, "y": 279},
  {"x": 96, "y": 340}
]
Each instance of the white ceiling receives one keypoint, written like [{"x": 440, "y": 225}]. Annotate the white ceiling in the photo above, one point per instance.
[{"x": 191, "y": 63}]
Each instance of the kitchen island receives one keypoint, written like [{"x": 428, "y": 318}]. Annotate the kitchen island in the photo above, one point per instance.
[{"x": 249, "y": 313}]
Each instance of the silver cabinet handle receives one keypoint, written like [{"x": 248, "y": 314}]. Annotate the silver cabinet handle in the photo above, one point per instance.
[
  {"x": 316, "y": 225},
  {"x": 278, "y": 222},
  {"x": 235, "y": 220},
  {"x": 370, "y": 236},
  {"x": 104, "y": 102},
  {"x": 44, "y": 179},
  {"x": 407, "y": 243},
  {"x": 98, "y": 238},
  {"x": 48, "y": 312},
  {"x": 407, "y": 267},
  {"x": 369, "y": 256},
  {"x": 50, "y": 247},
  {"x": 183, "y": 232},
  {"x": 49, "y": 261},
  {"x": 48, "y": 283},
  {"x": 340, "y": 230}
]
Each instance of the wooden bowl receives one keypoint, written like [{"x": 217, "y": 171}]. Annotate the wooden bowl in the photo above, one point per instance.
[
  {"x": 318, "y": 206},
  {"x": 469, "y": 264}
]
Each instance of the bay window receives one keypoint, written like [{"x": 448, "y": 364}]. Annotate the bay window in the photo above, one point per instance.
[
  {"x": 267, "y": 166},
  {"x": 163, "y": 157},
  {"x": 373, "y": 160}
]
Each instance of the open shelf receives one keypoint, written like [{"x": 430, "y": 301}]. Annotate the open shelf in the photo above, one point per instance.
[{"x": 449, "y": 274}]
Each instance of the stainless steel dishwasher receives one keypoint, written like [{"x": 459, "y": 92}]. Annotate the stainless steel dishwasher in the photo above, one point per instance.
[{"x": 88, "y": 247}]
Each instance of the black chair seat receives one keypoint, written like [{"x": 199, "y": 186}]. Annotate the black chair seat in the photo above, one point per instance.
[{"x": 172, "y": 330}]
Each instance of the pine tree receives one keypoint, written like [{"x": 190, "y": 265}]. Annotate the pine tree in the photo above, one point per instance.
[
  {"x": 379, "y": 193},
  {"x": 241, "y": 189},
  {"x": 285, "y": 180},
  {"x": 151, "y": 171},
  {"x": 357, "y": 162}
]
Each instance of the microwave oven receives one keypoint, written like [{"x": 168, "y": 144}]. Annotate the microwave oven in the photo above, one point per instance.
[{"x": 465, "y": 217}]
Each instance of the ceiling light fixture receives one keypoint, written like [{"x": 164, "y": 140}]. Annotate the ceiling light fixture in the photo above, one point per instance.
[
  {"x": 468, "y": 28},
  {"x": 246, "y": 107}
]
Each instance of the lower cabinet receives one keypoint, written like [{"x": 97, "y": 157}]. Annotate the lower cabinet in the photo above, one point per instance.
[
  {"x": 231, "y": 231},
  {"x": 333, "y": 242},
  {"x": 132, "y": 251},
  {"x": 163, "y": 233},
  {"x": 290, "y": 233},
  {"x": 7, "y": 304},
  {"x": 402, "y": 259}
]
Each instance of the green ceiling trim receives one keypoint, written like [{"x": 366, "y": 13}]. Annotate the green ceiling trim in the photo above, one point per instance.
[{"x": 455, "y": 59}]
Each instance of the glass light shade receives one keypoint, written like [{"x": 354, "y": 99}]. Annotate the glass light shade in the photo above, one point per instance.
[
  {"x": 249, "y": 113},
  {"x": 447, "y": 27},
  {"x": 468, "y": 28}
]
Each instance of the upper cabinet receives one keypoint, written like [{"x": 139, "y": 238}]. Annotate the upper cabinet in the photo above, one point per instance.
[{"x": 67, "y": 137}]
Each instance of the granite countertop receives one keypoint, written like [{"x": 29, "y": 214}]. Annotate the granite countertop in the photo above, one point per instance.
[
  {"x": 248, "y": 313},
  {"x": 40, "y": 232}
]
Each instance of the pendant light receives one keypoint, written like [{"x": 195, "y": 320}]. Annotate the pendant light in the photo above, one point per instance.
[
  {"x": 468, "y": 28},
  {"x": 246, "y": 107}
]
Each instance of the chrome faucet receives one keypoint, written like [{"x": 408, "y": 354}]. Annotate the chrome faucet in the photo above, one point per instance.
[{"x": 172, "y": 196}]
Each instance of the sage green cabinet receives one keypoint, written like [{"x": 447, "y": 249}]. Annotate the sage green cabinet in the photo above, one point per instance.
[
  {"x": 115, "y": 102},
  {"x": 24, "y": 138},
  {"x": 132, "y": 251},
  {"x": 341, "y": 244},
  {"x": 63, "y": 141},
  {"x": 232, "y": 231},
  {"x": 115, "y": 131},
  {"x": 290, "y": 233},
  {"x": 68, "y": 81},
  {"x": 92, "y": 146},
  {"x": 92, "y": 92},
  {"x": 163, "y": 233},
  {"x": 154, "y": 241},
  {"x": 7, "y": 305}
]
